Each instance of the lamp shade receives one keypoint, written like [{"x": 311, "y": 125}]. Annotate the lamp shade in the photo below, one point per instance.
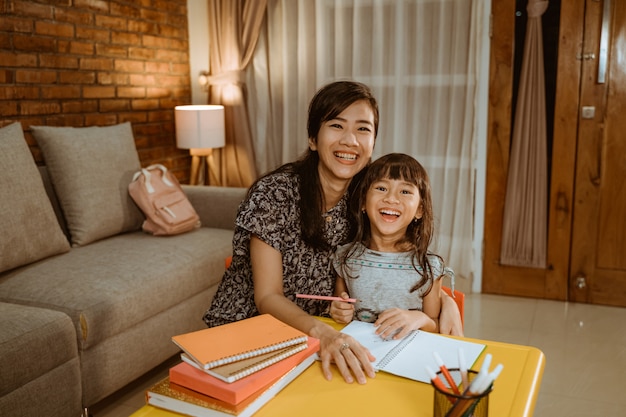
[{"x": 199, "y": 126}]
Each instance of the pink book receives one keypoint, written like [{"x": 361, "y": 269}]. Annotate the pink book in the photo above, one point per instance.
[{"x": 193, "y": 378}]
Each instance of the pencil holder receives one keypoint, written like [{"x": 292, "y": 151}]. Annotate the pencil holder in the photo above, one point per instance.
[{"x": 449, "y": 404}]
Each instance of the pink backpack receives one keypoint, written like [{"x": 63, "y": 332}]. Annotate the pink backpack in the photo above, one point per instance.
[{"x": 166, "y": 207}]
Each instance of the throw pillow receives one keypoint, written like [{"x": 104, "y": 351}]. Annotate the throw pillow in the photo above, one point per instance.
[
  {"x": 29, "y": 230},
  {"x": 91, "y": 168}
]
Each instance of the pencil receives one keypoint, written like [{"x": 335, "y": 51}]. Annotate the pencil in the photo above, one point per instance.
[{"x": 327, "y": 298}]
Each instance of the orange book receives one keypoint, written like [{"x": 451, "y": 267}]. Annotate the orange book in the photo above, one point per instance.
[
  {"x": 239, "y": 340},
  {"x": 172, "y": 397},
  {"x": 234, "y": 393}
]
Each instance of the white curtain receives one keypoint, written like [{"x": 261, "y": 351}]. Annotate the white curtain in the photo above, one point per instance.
[{"x": 419, "y": 57}]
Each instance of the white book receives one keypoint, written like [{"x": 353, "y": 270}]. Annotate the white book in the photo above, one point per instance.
[{"x": 409, "y": 356}]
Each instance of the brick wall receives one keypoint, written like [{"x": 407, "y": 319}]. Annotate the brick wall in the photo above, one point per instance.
[{"x": 97, "y": 62}]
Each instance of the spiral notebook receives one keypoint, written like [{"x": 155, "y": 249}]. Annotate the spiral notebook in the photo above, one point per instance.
[
  {"x": 408, "y": 357},
  {"x": 234, "y": 371},
  {"x": 239, "y": 340}
]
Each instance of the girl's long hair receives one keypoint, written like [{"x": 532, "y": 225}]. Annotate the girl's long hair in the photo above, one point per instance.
[
  {"x": 326, "y": 105},
  {"x": 419, "y": 234}
]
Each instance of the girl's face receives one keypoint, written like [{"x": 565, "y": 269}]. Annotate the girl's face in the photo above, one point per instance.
[
  {"x": 391, "y": 206},
  {"x": 345, "y": 143}
]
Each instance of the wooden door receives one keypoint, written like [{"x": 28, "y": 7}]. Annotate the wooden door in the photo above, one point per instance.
[
  {"x": 587, "y": 202},
  {"x": 598, "y": 254}
]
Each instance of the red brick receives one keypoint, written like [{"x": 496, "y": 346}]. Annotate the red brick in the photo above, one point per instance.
[
  {"x": 38, "y": 107},
  {"x": 161, "y": 116},
  {"x": 147, "y": 104},
  {"x": 111, "y": 50},
  {"x": 33, "y": 43},
  {"x": 141, "y": 53},
  {"x": 81, "y": 48},
  {"x": 56, "y": 61},
  {"x": 64, "y": 30},
  {"x": 157, "y": 67},
  {"x": 102, "y": 64},
  {"x": 77, "y": 77},
  {"x": 180, "y": 69},
  {"x": 80, "y": 106},
  {"x": 72, "y": 15},
  {"x": 127, "y": 65},
  {"x": 125, "y": 38},
  {"x": 114, "y": 105},
  {"x": 35, "y": 76},
  {"x": 133, "y": 117},
  {"x": 16, "y": 24},
  {"x": 169, "y": 80},
  {"x": 10, "y": 59},
  {"x": 74, "y": 120},
  {"x": 142, "y": 79},
  {"x": 8, "y": 108},
  {"x": 58, "y": 92},
  {"x": 172, "y": 56},
  {"x": 117, "y": 23},
  {"x": 142, "y": 26},
  {"x": 108, "y": 78},
  {"x": 93, "y": 34},
  {"x": 169, "y": 31},
  {"x": 157, "y": 92},
  {"x": 98, "y": 92},
  {"x": 124, "y": 10},
  {"x": 97, "y": 119},
  {"x": 154, "y": 15},
  {"x": 98, "y": 5},
  {"x": 30, "y": 8},
  {"x": 6, "y": 77},
  {"x": 131, "y": 92}
]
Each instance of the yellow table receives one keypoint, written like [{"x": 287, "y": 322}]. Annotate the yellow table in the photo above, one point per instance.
[{"x": 514, "y": 394}]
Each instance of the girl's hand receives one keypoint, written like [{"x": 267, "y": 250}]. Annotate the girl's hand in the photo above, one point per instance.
[
  {"x": 352, "y": 359},
  {"x": 342, "y": 312},
  {"x": 396, "y": 323}
]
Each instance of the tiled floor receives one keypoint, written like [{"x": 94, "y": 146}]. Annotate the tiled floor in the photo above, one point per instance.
[{"x": 585, "y": 348}]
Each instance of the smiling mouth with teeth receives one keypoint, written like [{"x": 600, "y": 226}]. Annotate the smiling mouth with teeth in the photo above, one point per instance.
[
  {"x": 391, "y": 213},
  {"x": 348, "y": 156}
]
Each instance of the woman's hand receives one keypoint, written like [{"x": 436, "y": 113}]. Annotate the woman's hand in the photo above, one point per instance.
[
  {"x": 450, "y": 317},
  {"x": 340, "y": 311},
  {"x": 396, "y": 323},
  {"x": 352, "y": 359}
]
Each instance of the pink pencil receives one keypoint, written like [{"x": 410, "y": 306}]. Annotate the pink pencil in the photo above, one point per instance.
[{"x": 327, "y": 298}]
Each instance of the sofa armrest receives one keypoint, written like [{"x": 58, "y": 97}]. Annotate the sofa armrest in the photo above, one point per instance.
[{"x": 216, "y": 206}]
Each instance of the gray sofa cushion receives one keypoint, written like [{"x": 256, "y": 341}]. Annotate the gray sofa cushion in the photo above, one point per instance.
[
  {"x": 29, "y": 230},
  {"x": 115, "y": 283},
  {"x": 91, "y": 168},
  {"x": 37, "y": 351}
]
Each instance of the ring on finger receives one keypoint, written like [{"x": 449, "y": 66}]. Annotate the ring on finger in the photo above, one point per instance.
[{"x": 344, "y": 347}]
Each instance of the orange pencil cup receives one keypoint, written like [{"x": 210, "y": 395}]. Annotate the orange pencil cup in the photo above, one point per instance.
[{"x": 449, "y": 404}]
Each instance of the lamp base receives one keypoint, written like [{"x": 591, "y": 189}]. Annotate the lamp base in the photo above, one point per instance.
[{"x": 200, "y": 166}]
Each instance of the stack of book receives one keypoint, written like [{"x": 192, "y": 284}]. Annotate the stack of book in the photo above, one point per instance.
[{"x": 233, "y": 369}]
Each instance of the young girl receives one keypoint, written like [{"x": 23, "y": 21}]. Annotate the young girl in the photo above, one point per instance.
[{"x": 388, "y": 267}]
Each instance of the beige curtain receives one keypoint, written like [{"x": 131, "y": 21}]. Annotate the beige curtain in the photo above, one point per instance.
[
  {"x": 234, "y": 27},
  {"x": 524, "y": 230},
  {"x": 421, "y": 60}
]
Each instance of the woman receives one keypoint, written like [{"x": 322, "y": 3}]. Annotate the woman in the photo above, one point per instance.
[{"x": 291, "y": 222}]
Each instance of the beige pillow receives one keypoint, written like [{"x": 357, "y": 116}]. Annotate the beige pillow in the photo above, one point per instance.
[
  {"x": 29, "y": 230},
  {"x": 91, "y": 168}
]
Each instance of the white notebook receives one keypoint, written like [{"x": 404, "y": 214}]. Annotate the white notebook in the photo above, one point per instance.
[{"x": 408, "y": 357}]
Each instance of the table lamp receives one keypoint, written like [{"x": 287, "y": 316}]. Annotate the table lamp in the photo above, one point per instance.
[{"x": 199, "y": 128}]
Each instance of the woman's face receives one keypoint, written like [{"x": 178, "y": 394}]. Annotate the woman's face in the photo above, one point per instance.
[{"x": 345, "y": 143}]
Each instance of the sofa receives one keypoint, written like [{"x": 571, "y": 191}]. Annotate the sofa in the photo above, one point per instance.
[{"x": 88, "y": 301}]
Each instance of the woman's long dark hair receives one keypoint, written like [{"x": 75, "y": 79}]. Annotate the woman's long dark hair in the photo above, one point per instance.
[
  {"x": 419, "y": 234},
  {"x": 326, "y": 105}
]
